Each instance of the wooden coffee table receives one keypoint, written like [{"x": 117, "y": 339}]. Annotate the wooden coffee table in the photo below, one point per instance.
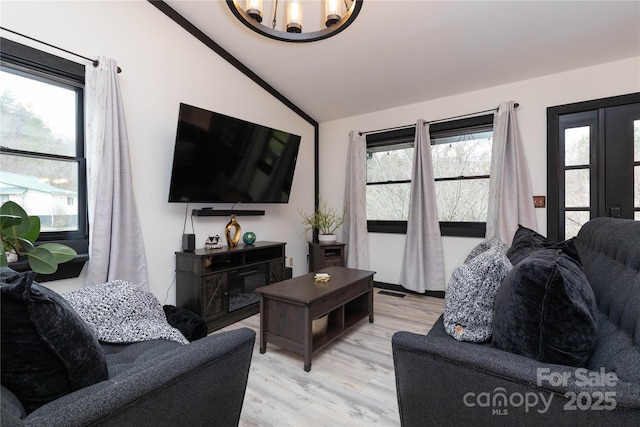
[{"x": 288, "y": 308}]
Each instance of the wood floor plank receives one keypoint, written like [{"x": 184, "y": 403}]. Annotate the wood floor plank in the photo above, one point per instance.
[{"x": 351, "y": 382}]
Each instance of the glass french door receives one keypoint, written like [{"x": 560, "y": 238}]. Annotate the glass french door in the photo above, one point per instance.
[{"x": 593, "y": 163}]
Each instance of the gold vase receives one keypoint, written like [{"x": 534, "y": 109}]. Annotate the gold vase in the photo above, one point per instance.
[{"x": 233, "y": 241}]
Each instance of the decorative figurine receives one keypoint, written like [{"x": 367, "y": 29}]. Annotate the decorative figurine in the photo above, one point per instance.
[
  {"x": 213, "y": 242},
  {"x": 233, "y": 241},
  {"x": 249, "y": 238}
]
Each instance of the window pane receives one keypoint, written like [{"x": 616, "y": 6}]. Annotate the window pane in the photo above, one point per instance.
[
  {"x": 467, "y": 155},
  {"x": 636, "y": 140},
  {"x": 388, "y": 202},
  {"x": 463, "y": 200},
  {"x": 636, "y": 187},
  {"x": 636, "y": 157},
  {"x": 46, "y": 188},
  {"x": 389, "y": 165},
  {"x": 576, "y": 146},
  {"x": 573, "y": 221},
  {"x": 37, "y": 116},
  {"x": 576, "y": 187}
]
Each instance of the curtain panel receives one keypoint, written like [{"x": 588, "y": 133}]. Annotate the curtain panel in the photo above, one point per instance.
[
  {"x": 510, "y": 193},
  {"x": 115, "y": 238},
  {"x": 423, "y": 261},
  {"x": 354, "y": 230}
]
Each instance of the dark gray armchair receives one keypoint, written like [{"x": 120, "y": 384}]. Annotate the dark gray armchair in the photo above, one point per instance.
[{"x": 154, "y": 383}]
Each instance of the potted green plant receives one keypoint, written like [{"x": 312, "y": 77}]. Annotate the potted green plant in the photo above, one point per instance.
[
  {"x": 324, "y": 219},
  {"x": 19, "y": 231}
]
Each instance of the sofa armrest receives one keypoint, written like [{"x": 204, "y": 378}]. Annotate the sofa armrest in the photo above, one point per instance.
[
  {"x": 202, "y": 383},
  {"x": 441, "y": 381}
]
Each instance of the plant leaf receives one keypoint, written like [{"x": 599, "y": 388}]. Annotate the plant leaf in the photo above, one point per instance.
[
  {"x": 14, "y": 209},
  {"x": 8, "y": 221},
  {"x": 42, "y": 261},
  {"x": 3, "y": 259},
  {"x": 24, "y": 246},
  {"x": 61, "y": 253},
  {"x": 34, "y": 229}
]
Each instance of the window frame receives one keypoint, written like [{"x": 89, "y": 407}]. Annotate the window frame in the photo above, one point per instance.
[
  {"x": 404, "y": 135},
  {"x": 24, "y": 60}
]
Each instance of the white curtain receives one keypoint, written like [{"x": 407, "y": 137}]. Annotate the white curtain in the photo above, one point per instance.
[
  {"x": 116, "y": 249},
  {"x": 510, "y": 194},
  {"x": 423, "y": 261},
  {"x": 354, "y": 230}
]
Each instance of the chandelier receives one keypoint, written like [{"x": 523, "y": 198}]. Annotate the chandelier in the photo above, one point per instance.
[{"x": 322, "y": 19}]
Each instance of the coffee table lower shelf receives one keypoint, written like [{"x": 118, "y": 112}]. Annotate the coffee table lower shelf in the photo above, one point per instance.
[
  {"x": 335, "y": 330},
  {"x": 287, "y": 312}
]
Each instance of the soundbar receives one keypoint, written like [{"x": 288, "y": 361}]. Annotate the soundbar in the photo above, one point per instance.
[{"x": 226, "y": 212}]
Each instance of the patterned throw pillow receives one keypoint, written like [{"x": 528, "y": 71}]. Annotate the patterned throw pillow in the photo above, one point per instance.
[
  {"x": 119, "y": 312},
  {"x": 469, "y": 299}
]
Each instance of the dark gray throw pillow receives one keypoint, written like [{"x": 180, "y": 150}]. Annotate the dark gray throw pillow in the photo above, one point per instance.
[
  {"x": 47, "y": 349},
  {"x": 471, "y": 291},
  {"x": 545, "y": 309},
  {"x": 527, "y": 241},
  {"x": 192, "y": 326}
]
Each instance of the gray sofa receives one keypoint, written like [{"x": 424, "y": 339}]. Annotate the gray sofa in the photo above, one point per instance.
[
  {"x": 441, "y": 381},
  {"x": 56, "y": 372}
]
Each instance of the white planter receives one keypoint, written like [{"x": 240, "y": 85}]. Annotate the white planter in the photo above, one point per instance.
[{"x": 326, "y": 238}]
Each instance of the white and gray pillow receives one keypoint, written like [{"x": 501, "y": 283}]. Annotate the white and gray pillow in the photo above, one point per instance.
[
  {"x": 471, "y": 292},
  {"x": 118, "y": 312}
]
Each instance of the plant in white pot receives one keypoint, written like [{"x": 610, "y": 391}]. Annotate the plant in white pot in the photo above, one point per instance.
[
  {"x": 324, "y": 219},
  {"x": 19, "y": 231}
]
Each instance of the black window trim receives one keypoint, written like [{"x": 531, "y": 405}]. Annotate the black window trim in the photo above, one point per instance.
[
  {"x": 403, "y": 136},
  {"x": 21, "y": 59}
]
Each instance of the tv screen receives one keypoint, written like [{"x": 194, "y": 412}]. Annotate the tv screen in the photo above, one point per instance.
[{"x": 222, "y": 159}]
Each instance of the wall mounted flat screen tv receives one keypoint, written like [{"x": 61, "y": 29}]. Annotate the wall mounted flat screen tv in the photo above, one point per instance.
[{"x": 221, "y": 159}]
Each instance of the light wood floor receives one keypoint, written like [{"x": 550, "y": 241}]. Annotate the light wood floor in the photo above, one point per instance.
[{"x": 351, "y": 382}]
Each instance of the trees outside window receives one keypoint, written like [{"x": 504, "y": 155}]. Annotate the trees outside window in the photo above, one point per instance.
[
  {"x": 42, "y": 141},
  {"x": 461, "y": 154}
]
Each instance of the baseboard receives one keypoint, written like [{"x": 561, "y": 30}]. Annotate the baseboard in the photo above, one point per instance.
[{"x": 392, "y": 287}]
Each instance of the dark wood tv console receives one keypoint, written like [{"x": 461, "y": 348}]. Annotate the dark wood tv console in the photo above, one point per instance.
[{"x": 219, "y": 284}]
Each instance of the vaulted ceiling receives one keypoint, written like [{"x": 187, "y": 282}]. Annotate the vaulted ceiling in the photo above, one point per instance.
[{"x": 402, "y": 52}]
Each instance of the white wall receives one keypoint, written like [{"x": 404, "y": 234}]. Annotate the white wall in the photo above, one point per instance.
[
  {"x": 534, "y": 96},
  {"x": 164, "y": 65}
]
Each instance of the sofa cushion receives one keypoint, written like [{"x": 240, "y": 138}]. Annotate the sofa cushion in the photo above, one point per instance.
[
  {"x": 47, "y": 349},
  {"x": 471, "y": 291},
  {"x": 609, "y": 249},
  {"x": 545, "y": 309}
]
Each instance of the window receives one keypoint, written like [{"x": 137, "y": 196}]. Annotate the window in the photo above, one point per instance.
[
  {"x": 42, "y": 141},
  {"x": 593, "y": 163},
  {"x": 461, "y": 154}
]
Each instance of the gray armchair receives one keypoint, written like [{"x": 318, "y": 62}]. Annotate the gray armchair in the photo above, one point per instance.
[{"x": 154, "y": 383}]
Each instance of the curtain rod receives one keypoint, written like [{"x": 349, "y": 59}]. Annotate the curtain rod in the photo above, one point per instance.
[
  {"x": 95, "y": 62},
  {"x": 516, "y": 105}
]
